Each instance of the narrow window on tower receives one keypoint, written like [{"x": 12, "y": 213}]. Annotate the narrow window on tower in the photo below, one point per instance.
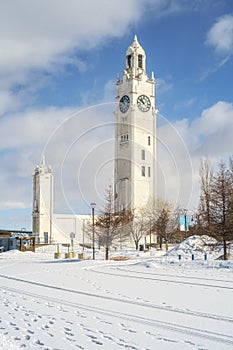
[
  {"x": 148, "y": 140},
  {"x": 124, "y": 138},
  {"x": 139, "y": 61},
  {"x": 149, "y": 171},
  {"x": 129, "y": 61},
  {"x": 143, "y": 154},
  {"x": 143, "y": 171}
]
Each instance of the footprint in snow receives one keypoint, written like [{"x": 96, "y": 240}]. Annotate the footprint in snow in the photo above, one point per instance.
[
  {"x": 97, "y": 342},
  {"x": 168, "y": 340},
  {"x": 125, "y": 328},
  {"x": 62, "y": 310},
  {"x": 45, "y": 327},
  {"x": 49, "y": 305},
  {"x": 30, "y": 331},
  {"x": 69, "y": 334},
  {"x": 108, "y": 337},
  {"x": 93, "y": 337},
  {"x": 51, "y": 335},
  {"x": 105, "y": 322},
  {"x": 17, "y": 338}
]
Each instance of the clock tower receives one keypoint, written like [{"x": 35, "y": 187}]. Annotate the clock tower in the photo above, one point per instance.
[{"x": 135, "y": 133}]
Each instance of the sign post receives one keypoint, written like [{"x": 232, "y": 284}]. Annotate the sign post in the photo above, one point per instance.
[{"x": 72, "y": 236}]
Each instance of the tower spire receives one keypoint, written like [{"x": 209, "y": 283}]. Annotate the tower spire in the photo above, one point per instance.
[
  {"x": 135, "y": 59},
  {"x": 43, "y": 160}
]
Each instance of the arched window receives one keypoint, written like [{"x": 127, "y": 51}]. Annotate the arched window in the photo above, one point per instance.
[
  {"x": 149, "y": 171},
  {"x": 143, "y": 154},
  {"x": 129, "y": 61},
  {"x": 140, "y": 61}
]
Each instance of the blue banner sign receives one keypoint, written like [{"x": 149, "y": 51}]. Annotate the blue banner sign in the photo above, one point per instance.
[{"x": 183, "y": 221}]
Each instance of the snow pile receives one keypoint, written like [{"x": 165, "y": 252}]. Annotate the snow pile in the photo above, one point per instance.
[
  {"x": 16, "y": 255},
  {"x": 7, "y": 344},
  {"x": 196, "y": 247}
]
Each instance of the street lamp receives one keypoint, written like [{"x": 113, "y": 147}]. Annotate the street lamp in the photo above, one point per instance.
[
  {"x": 83, "y": 232},
  {"x": 93, "y": 227}
]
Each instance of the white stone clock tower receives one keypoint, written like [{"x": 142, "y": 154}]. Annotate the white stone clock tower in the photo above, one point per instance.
[{"x": 135, "y": 133}]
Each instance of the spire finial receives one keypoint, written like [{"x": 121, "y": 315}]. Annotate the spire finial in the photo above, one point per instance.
[
  {"x": 135, "y": 38},
  {"x": 43, "y": 160}
]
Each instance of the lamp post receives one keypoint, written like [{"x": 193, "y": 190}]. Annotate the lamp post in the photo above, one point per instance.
[
  {"x": 93, "y": 228},
  {"x": 83, "y": 232}
]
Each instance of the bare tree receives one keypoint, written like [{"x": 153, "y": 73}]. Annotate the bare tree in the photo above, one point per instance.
[
  {"x": 137, "y": 226},
  {"x": 109, "y": 224},
  {"x": 167, "y": 218},
  {"x": 221, "y": 211},
  {"x": 204, "y": 214},
  {"x": 150, "y": 213},
  {"x": 216, "y": 203}
]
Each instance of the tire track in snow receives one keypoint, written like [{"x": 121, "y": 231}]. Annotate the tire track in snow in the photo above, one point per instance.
[
  {"x": 126, "y": 301},
  {"x": 213, "y": 336},
  {"x": 173, "y": 276},
  {"x": 219, "y": 337},
  {"x": 159, "y": 279}
]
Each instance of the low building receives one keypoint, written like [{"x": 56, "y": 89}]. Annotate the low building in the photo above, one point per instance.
[{"x": 13, "y": 239}]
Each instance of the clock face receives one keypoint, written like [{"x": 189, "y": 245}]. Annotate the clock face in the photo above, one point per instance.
[
  {"x": 124, "y": 103},
  {"x": 143, "y": 103}
]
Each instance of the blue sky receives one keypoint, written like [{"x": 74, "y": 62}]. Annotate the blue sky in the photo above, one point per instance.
[{"x": 58, "y": 58}]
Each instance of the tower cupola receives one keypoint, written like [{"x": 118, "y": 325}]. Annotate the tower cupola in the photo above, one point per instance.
[{"x": 135, "y": 58}]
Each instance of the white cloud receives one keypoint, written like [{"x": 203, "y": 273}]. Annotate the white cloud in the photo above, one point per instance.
[
  {"x": 220, "y": 36},
  {"x": 110, "y": 90},
  {"x": 163, "y": 8},
  {"x": 47, "y": 32},
  {"x": 8, "y": 101},
  {"x": 30, "y": 128},
  {"x": 66, "y": 136},
  {"x": 39, "y": 35},
  {"x": 181, "y": 145},
  {"x": 13, "y": 205},
  {"x": 213, "y": 131},
  {"x": 214, "y": 119},
  {"x": 47, "y": 35},
  {"x": 163, "y": 85},
  {"x": 184, "y": 104}
]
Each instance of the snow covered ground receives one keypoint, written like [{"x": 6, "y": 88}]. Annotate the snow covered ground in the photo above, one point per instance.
[{"x": 150, "y": 301}]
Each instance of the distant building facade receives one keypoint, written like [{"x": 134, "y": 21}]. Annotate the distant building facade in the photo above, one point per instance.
[{"x": 47, "y": 226}]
